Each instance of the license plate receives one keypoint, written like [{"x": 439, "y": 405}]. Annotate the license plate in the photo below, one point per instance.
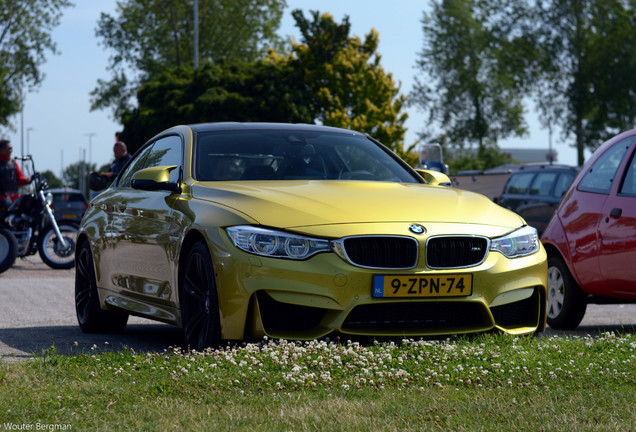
[
  {"x": 445, "y": 285},
  {"x": 69, "y": 216}
]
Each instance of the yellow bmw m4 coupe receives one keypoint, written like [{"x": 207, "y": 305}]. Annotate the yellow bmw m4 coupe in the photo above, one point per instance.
[{"x": 236, "y": 231}]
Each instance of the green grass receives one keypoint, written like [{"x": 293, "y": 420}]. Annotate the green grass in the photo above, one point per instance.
[{"x": 491, "y": 382}]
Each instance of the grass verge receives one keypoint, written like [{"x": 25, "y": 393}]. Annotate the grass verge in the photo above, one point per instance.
[{"x": 490, "y": 382}]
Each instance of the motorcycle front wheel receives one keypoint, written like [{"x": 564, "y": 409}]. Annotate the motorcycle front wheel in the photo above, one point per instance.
[
  {"x": 8, "y": 249},
  {"x": 51, "y": 250}
]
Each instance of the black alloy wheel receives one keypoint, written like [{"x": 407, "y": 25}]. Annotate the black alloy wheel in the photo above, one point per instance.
[
  {"x": 91, "y": 318},
  {"x": 199, "y": 302}
]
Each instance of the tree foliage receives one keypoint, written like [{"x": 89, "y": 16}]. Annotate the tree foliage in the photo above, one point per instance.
[
  {"x": 75, "y": 175},
  {"x": 329, "y": 78},
  {"x": 474, "y": 65},
  {"x": 344, "y": 80},
  {"x": 237, "y": 91},
  {"x": 587, "y": 84},
  {"x": 25, "y": 38},
  {"x": 51, "y": 179},
  {"x": 148, "y": 36},
  {"x": 482, "y": 57}
]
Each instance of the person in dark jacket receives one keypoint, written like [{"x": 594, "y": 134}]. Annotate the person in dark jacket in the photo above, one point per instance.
[
  {"x": 100, "y": 181},
  {"x": 11, "y": 176},
  {"x": 121, "y": 158}
]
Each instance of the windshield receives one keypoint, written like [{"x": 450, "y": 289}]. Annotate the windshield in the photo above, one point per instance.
[{"x": 294, "y": 155}]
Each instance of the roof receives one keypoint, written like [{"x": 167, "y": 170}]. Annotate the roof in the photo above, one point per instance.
[{"x": 205, "y": 127}]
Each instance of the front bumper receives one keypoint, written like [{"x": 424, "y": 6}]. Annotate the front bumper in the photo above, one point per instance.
[{"x": 310, "y": 299}]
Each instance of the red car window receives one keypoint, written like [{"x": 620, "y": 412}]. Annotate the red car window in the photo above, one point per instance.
[
  {"x": 629, "y": 184},
  {"x": 600, "y": 177}
]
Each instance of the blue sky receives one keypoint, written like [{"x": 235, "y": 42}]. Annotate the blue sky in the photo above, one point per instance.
[{"x": 63, "y": 129}]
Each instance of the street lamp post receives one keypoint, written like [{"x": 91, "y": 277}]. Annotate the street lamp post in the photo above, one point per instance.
[
  {"x": 90, "y": 144},
  {"x": 29, "y": 140},
  {"x": 196, "y": 34}
]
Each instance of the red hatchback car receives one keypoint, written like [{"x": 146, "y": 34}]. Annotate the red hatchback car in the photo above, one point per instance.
[{"x": 591, "y": 239}]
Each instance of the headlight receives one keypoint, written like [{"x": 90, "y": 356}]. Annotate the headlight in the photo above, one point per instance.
[
  {"x": 275, "y": 244},
  {"x": 521, "y": 242},
  {"x": 49, "y": 198}
]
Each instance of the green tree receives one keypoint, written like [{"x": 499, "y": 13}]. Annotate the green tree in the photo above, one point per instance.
[
  {"x": 588, "y": 66},
  {"x": 345, "y": 82},
  {"x": 262, "y": 90},
  {"x": 52, "y": 180},
  {"x": 330, "y": 78},
  {"x": 25, "y": 37},
  {"x": 475, "y": 63},
  {"x": 489, "y": 158},
  {"x": 148, "y": 36},
  {"x": 75, "y": 175}
]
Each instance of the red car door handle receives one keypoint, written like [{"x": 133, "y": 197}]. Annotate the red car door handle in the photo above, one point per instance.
[{"x": 616, "y": 212}]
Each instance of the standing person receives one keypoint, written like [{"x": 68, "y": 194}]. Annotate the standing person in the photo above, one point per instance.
[{"x": 11, "y": 175}]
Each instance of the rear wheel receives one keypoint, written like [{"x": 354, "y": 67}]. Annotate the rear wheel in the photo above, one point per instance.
[
  {"x": 199, "y": 302},
  {"x": 566, "y": 301},
  {"x": 8, "y": 249},
  {"x": 91, "y": 318}
]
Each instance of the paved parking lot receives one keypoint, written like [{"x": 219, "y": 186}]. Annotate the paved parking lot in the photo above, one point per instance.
[{"x": 37, "y": 311}]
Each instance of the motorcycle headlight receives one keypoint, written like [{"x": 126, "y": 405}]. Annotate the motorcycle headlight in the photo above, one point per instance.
[
  {"x": 275, "y": 244},
  {"x": 521, "y": 242}
]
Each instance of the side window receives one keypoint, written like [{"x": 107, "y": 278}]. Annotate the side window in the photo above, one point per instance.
[
  {"x": 542, "y": 184},
  {"x": 135, "y": 165},
  {"x": 165, "y": 152},
  {"x": 519, "y": 183},
  {"x": 600, "y": 177},
  {"x": 629, "y": 184},
  {"x": 564, "y": 181}
]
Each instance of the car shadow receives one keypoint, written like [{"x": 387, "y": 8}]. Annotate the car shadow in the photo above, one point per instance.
[{"x": 25, "y": 342}]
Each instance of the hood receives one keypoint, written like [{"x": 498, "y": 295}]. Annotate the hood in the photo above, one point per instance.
[{"x": 293, "y": 204}]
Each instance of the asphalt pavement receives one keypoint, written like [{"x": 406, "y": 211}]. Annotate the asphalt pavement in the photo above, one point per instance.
[{"x": 37, "y": 312}]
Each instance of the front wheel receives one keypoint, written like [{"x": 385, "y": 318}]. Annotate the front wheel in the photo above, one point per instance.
[
  {"x": 566, "y": 301},
  {"x": 51, "y": 250},
  {"x": 91, "y": 318},
  {"x": 8, "y": 249},
  {"x": 199, "y": 302}
]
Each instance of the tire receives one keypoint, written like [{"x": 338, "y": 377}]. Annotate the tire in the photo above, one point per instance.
[
  {"x": 566, "y": 302},
  {"x": 51, "y": 250},
  {"x": 199, "y": 301},
  {"x": 91, "y": 318},
  {"x": 8, "y": 249}
]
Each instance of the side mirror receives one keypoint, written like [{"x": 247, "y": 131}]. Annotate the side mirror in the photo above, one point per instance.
[
  {"x": 155, "y": 178},
  {"x": 435, "y": 178}
]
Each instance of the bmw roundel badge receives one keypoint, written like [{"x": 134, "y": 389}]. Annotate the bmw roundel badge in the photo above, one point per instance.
[{"x": 417, "y": 229}]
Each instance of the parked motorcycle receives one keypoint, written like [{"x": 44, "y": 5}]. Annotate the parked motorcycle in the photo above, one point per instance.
[{"x": 29, "y": 226}]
